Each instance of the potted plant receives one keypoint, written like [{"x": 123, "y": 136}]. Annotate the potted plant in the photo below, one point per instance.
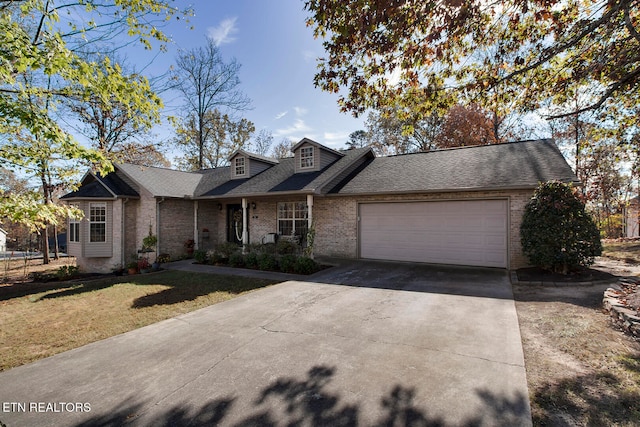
[
  {"x": 189, "y": 245},
  {"x": 143, "y": 265},
  {"x": 132, "y": 267},
  {"x": 149, "y": 242}
]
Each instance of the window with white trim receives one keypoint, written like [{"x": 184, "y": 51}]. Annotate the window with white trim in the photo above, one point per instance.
[
  {"x": 306, "y": 157},
  {"x": 293, "y": 219},
  {"x": 74, "y": 228},
  {"x": 239, "y": 165},
  {"x": 97, "y": 222}
]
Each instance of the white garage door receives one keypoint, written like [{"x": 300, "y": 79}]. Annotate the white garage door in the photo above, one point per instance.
[{"x": 449, "y": 232}]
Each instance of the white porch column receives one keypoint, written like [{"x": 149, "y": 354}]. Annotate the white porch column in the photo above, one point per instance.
[
  {"x": 245, "y": 231},
  {"x": 310, "y": 210},
  {"x": 195, "y": 225}
]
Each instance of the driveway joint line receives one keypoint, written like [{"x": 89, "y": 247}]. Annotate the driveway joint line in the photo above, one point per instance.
[{"x": 417, "y": 347}]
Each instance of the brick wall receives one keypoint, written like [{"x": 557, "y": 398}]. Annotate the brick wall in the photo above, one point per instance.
[
  {"x": 176, "y": 226},
  {"x": 337, "y": 225}
]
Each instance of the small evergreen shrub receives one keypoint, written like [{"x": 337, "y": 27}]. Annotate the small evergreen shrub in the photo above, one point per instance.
[
  {"x": 236, "y": 260},
  {"x": 305, "y": 265},
  {"x": 67, "y": 272},
  {"x": 556, "y": 232},
  {"x": 227, "y": 249},
  {"x": 288, "y": 263},
  {"x": 251, "y": 260},
  {"x": 267, "y": 261},
  {"x": 215, "y": 258},
  {"x": 286, "y": 247},
  {"x": 200, "y": 256}
]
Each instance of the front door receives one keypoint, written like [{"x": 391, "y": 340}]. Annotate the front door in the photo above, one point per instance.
[{"x": 234, "y": 223}]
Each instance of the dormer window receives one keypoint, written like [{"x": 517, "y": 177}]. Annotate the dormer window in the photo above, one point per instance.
[
  {"x": 239, "y": 165},
  {"x": 306, "y": 157}
]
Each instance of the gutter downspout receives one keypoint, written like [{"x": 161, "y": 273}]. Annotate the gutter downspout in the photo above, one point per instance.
[
  {"x": 195, "y": 225},
  {"x": 123, "y": 261},
  {"x": 158, "y": 201}
]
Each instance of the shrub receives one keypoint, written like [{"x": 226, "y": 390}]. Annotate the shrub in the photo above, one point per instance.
[
  {"x": 305, "y": 265},
  {"x": 67, "y": 272},
  {"x": 286, "y": 247},
  {"x": 288, "y": 263},
  {"x": 267, "y": 261},
  {"x": 226, "y": 249},
  {"x": 236, "y": 260},
  {"x": 557, "y": 233},
  {"x": 251, "y": 260},
  {"x": 215, "y": 258},
  {"x": 200, "y": 256}
]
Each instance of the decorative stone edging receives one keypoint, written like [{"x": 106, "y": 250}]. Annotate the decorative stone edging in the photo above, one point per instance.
[{"x": 627, "y": 318}]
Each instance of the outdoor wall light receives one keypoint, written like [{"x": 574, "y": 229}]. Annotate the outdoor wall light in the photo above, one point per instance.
[
  {"x": 253, "y": 205},
  {"x": 219, "y": 206}
]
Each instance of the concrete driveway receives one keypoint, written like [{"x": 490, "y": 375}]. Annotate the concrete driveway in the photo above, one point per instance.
[{"x": 364, "y": 344}]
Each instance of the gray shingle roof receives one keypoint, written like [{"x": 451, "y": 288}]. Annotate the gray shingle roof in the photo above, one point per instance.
[
  {"x": 96, "y": 186},
  {"x": 503, "y": 166},
  {"x": 163, "y": 182},
  {"x": 281, "y": 178}
]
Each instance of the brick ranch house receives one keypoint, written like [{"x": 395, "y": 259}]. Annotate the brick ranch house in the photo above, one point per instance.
[{"x": 457, "y": 206}]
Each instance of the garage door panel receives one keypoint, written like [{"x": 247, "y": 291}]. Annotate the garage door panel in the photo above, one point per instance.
[{"x": 448, "y": 232}]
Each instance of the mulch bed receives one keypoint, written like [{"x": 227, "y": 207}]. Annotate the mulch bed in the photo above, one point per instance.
[{"x": 536, "y": 274}]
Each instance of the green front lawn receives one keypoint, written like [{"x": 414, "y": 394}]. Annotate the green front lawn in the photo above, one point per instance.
[{"x": 40, "y": 320}]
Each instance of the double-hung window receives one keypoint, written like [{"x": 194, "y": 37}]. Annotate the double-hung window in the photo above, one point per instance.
[
  {"x": 306, "y": 158},
  {"x": 292, "y": 219},
  {"x": 74, "y": 228},
  {"x": 97, "y": 222},
  {"x": 239, "y": 166}
]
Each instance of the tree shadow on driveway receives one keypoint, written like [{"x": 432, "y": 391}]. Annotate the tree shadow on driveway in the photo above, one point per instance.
[{"x": 295, "y": 401}]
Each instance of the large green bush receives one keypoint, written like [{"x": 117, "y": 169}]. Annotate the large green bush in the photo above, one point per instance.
[{"x": 556, "y": 232}]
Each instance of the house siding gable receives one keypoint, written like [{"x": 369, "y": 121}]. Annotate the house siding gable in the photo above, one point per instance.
[{"x": 321, "y": 158}]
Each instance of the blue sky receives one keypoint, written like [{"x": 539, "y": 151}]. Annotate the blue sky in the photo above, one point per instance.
[{"x": 278, "y": 54}]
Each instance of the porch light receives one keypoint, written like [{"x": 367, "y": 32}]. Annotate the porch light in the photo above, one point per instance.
[
  {"x": 219, "y": 206},
  {"x": 253, "y": 205}
]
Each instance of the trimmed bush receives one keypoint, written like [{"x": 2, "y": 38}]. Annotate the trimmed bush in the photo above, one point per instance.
[
  {"x": 227, "y": 249},
  {"x": 267, "y": 261},
  {"x": 557, "y": 233},
  {"x": 305, "y": 265},
  {"x": 236, "y": 260},
  {"x": 288, "y": 263},
  {"x": 200, "y": 256},
  {"x": 251, "y": 260},
  {"x": 286, "y": 247}
]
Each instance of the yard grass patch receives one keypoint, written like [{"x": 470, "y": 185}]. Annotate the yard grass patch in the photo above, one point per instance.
[
  {"x": 627, "y": 251},
  {"x": 580, "y": 369},
  {"x": 42, "y": 320}
]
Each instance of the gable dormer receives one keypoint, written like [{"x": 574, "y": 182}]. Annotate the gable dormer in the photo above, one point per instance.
[
  {"x": 245, "y": 165},
  {"x": 311, "y": 156}
]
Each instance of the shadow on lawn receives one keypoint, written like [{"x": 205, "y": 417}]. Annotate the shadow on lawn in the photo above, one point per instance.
[
  {"x": 20, "y": 290},
  {"x": 597, "y": 399},
  {"x": 189, "y": 290},
  {"x": 308, "y": 401}
]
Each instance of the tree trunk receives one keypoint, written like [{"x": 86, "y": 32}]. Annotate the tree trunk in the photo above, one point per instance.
[{"x": 56, "y": 248}]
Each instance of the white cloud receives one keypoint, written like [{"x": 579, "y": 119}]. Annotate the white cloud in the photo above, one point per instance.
[
  {"x": 336, "y": 138},
  {"x": 223, "y": 33},
  {"x": 297, "y": 130},
  {"x": 309, "y": 56},
  {"x": 300, "y": 111},
  {"x": 280, "y": 115}
]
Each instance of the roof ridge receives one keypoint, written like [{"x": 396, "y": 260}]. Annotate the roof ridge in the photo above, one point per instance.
[{"x": 471, "y": 147}]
